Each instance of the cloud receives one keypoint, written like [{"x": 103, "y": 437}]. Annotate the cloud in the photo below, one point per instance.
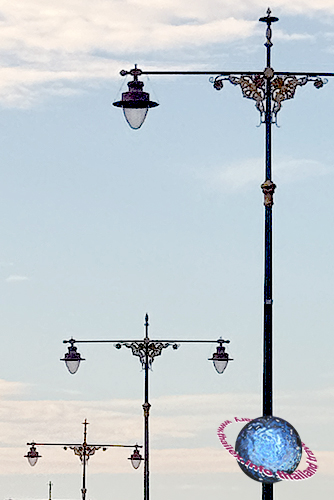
[
  {"x": 15, "y": 278},
  {"x": 11, "y": 388},
  {"x": 245, "y": 174},
  {"x": 188, "y": 423},
  {"x": 60, "y": 48}
]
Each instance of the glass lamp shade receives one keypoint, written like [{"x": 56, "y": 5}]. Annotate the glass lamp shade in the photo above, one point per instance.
[
  {"x": 72, "y": 359},
  {"x": 220, "y": 365},
  {"x": 135, "y": 116},
  {"x": 220, "y": 359},
  {"x": 32, "y": 456},
  {"x": 135, "y": 104},
  {"x": 136, "y": 458}
]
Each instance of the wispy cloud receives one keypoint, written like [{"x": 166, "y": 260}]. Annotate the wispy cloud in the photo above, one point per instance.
[
  {"x": 188, "y": 423},
  {"x": 242, "y": 176},
  {"x": 8, "y": 388},
  {"x": 16, "y": 278}
]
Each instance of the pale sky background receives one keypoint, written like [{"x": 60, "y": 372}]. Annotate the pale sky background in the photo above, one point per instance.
[{"x": 101, "y": 224}]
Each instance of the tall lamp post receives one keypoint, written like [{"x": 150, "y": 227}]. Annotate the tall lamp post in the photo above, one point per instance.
[
  {"x": 146, "y": 349},
  {"x": 83, "y": 451},
  {"x": 268, "y": 88}
]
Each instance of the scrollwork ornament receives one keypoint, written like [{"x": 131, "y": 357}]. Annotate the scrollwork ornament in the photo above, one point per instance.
[
  {"x": 148, "y": 348},
  {"x": 218, "y": 82},
  {"x": 80, "y": 452},
  {"x": 252, "y": 87},
  {"x": 284, "y": 88}
]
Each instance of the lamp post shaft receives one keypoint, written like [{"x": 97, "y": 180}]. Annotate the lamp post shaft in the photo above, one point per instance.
[
  {"x": 267, "y": 387},
  {"x": 146, "y": 408},
  {"x": 84, "y": 490},
  {"x": 268, "y": 188}
]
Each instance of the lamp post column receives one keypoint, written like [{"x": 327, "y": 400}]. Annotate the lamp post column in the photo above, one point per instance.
[
  {"x": 268, "y": 188},
  {"x": 84, "y": 490},
  {"x": 146, "y": 408}
]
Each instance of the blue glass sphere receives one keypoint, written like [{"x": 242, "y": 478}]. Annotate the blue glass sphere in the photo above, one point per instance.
[{"x": 270, "y": 442}]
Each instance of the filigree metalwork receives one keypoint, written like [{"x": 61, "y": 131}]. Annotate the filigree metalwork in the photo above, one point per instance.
[
  {"x": 252, "y": 87},
  {"x": 147, "y": 348},
  {"x": 282, "y": 88},
  {"x": 81, "y": 451}
]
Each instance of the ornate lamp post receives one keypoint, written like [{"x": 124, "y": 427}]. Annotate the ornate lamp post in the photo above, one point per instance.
[
  {"x": 83, "y": 451},
  {"x": 147, "y": 349},
  {"x": 268, "y": 88}
]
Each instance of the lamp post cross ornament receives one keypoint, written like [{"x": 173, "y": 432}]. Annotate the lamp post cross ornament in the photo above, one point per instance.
[{"x": 268, "y": 88}]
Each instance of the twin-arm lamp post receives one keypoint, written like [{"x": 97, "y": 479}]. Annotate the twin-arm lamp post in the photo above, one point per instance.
[
  {"x": 268, "y": 88},
  {"x": 146, "y": 349},
  {"x": 83, "y": 451}
]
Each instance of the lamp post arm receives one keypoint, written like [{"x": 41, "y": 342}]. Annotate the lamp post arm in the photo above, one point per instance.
[
  {"x": 225, "y": 73},
  {"x": 141, "y": 340},
  {"x": 69, "y": 445}
]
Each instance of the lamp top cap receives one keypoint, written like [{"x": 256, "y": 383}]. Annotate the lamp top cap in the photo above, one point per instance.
[{"x": 268, "y": 19}]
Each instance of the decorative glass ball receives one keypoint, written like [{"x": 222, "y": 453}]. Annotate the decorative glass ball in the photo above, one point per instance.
[{"x": 272, "y": 443}]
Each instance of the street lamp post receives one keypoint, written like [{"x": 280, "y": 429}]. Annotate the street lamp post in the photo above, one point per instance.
[
  {"x": 268, "y": 89},
  {"x": 147, "y": 349},
  {"x": 83, "y": 451}
]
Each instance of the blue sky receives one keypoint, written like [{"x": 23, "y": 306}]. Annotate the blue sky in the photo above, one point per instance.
[{"x": 101, "y": 224}]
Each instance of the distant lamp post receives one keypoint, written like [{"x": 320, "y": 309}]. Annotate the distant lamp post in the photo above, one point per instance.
[
  {"x": 135, "y": 102},
  {"x": 83, "y": 451},
  {"x": 147, "y": 349}
]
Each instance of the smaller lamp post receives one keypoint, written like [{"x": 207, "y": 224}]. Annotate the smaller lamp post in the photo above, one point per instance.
[
  {"x": 146, "y": 349},
  {"x": 83, "y": 451}
]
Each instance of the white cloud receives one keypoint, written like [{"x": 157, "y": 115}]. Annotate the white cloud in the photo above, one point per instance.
[
  {"x": 238, "y": 176},
  {"x": 15, "y": 278},
  {"x": 187, "y": 423},
  {"x": 62, "y": 47},
  {"x": 11, "y": 388}
]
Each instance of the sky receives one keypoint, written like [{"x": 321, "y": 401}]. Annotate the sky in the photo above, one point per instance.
[{"x": 102, "y": 224}]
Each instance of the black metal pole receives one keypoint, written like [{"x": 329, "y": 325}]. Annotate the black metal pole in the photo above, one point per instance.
[
  {"x": 84, "y": 490},
  {"x": 268, "y": 188},
  {"x": 146, "y": 408}
]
